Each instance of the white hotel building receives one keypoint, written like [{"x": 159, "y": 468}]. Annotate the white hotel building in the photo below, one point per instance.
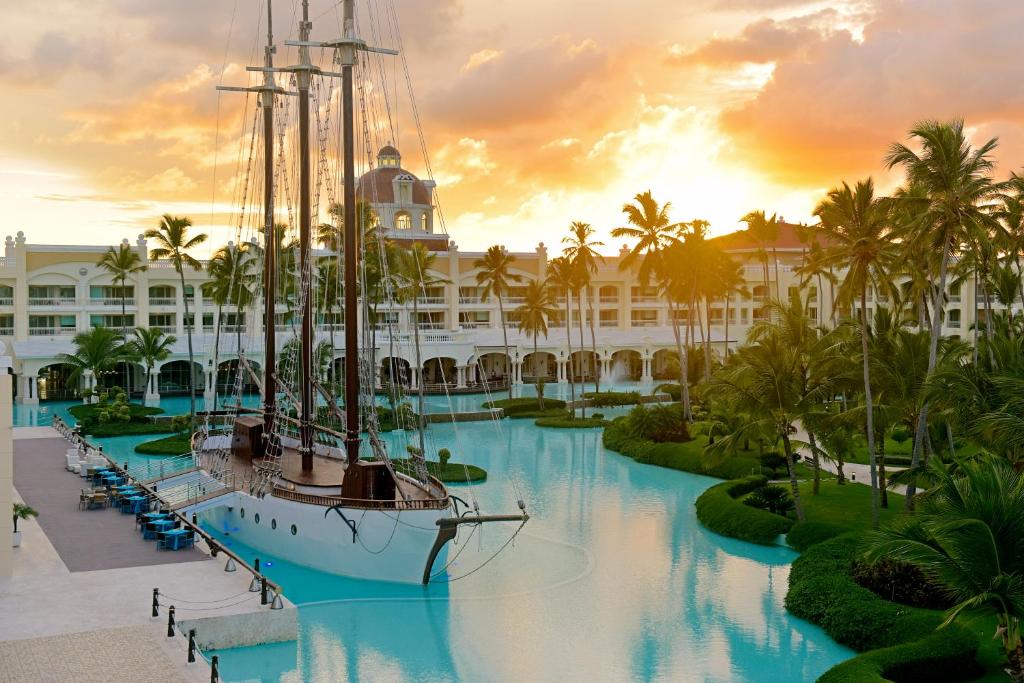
[{"x": 48, "y": 293}]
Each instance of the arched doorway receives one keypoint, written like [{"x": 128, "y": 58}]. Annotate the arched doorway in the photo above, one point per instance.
[
  {"x": 125, "y": 375},
  {"x": 665, "y": 365},
  {"x": 54, "y": 383},
  {"x": 626, "y": 366},
  {"x": 542, "y": 364},
  {"x": 493, "y": 368},
  {"x": 228, "y": 377},
  {"x": 584, "y": 366},
  {"x": 394, "y": 370},
  {"x": 439, "y": 371},
  {"x": 173, "y": 378}
]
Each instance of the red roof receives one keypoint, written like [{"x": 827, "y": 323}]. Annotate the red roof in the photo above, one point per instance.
[
  {"x": 376, "y": 187},
  {"x": 788, "y": 238}
]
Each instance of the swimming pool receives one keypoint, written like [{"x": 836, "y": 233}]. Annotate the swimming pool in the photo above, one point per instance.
[{"x": 612, "y": 579}]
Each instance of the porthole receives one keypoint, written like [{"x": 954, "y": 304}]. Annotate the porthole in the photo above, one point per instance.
[
  {"x": 273, "y": 524},
  {"x": 295, "y": 529},
  {"x": 256, "y": 518},
  {"x": 241, "y": 512}
]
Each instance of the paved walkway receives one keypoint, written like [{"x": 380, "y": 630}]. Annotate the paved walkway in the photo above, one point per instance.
[
  {"x": 86, "y": 540},
  {"x": 855, "y": 472}
]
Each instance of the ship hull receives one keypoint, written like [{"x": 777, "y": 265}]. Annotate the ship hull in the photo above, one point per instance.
[{"x": 388, "y": 545}]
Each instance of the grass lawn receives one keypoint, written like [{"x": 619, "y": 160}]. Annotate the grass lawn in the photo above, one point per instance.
[
  {"x": 175, "y": 444},
  {"x": 847, "y": 505}
]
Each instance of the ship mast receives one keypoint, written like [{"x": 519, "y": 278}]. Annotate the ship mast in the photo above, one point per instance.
[
  {"x": 303, "y": 74},
  {"x": 351, "y": 244}
]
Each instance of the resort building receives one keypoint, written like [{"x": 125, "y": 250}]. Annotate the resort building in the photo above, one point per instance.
[{"x": 48, "y": 293}]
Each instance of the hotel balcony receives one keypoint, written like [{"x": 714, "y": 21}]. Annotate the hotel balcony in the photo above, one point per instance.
[
  {"x": 470, "y": 300},
  {"x": 475, "y": 325},
  {"x": 609, "y": 323},
  {"x": 111, "y": 301},
  {"x": 52, "y": 301},
  {"x": 644, "y": 299},
  {"x": 6, "y": 331},
  {"x": 609, "y": 299},
  {"x": 643, "y": 323},
  {"x": 6, "y": 301},
  {"x": 430, "y": 300},
  {"x": 167, "y": 329},
  {"x": 52, "y": 331},
  {"x": 162, "y": 301}
]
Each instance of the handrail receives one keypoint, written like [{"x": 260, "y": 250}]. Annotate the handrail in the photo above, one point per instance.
[{"x": 361, "y": 503}]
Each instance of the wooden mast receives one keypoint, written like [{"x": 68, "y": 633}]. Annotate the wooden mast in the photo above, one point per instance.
[
  {"x": 350, "y": 249},
  {"x": 305, "y": 267},
  {"x": 270, "y": 241}
]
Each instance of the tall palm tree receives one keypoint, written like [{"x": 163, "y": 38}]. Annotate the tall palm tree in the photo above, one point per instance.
[
  {"x": 538, "y": 305},
  {"x": 729, "y": 276},
  {"x": 650, "y": 226},
  {"x": 414, "y": 278},
  {"x": 856, "y": 227},
  {"x": 97, "y": 350},
  {"x": 581, "y": 250},
  {"x": 121, "y": 263},
  {"x": 763, "y": 231},
  {"x": 561, "y": 275},
  {"x": 494, "y": 274},
  {"x": 968, "y": 536},
  {"x": 150, "y": 346},
  {"x": 956, "y": 180},
  {"x": 173, "y": 243},
  {"x": 675, "y": 272},
  {"x": 231, "y": 276}
]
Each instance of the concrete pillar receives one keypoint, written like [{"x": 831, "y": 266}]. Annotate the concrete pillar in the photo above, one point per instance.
[
  {"x": 6, "y": 475},
  {"x": 414, "y": 377},
  {"x": 460, "y": 376},
  {"x": 645, "y": 375},
  {"x": 28, "y": 392},
  {"x": 561, "y": 371},
  {"x": 517, "y": 372}
]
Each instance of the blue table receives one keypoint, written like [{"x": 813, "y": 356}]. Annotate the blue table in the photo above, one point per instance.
[
  {"x": 134, "y": 504},
  {"x": 157, "y": 527},
  {"x": 147, "y": 517},
  {"x": 175, "y": 539}
]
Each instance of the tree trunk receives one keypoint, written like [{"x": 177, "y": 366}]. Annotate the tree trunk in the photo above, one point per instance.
[
  {"x": 707, "y": 340},
  {"x": 684, "y": 388},
  {"x": 583, "y": 378},
  {"x": 922, "y": 419},
  {"x": 593, "y": 337},
  {"x": 728, "y": 299},
  {"x": 883, "y": 490},
  {"x": 124, "y": 324},
  {"x": 815, "y": 462},
  {"x": 870, "y": 408},
  {"x": 216, "y": 355},
  {"x": 191, "y": 353},
  {"x": 775, "y": 256},
  {"x": 568, "y": 342},
  {"x": 504, "y": 336},
  {"x": 794, "y": 485},
  {"x": 419, "y": 370}
]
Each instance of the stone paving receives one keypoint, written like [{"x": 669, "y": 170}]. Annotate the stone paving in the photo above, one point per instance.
[{"x": 86, "y": 540}]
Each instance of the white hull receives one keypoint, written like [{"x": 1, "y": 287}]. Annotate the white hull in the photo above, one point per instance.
[{"x": 390, "y": 545}]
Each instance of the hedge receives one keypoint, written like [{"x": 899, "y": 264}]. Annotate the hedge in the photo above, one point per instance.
[
  {"x": 451, "y": 473},
  {"x": 607, "y": 399},
  {"x": 176, "y": 444},
  {"x": 719, "y": 511},
  {"x": 687, "y": 456},
  {"x": 899, "y": 643},
  {"x": 805, "y": 534},
  {"x": 527, "y": 407},
  {"x": 127, "y": 428},
  {"x": 90, "y": 412},
  {"x": 566, "y": 422}
]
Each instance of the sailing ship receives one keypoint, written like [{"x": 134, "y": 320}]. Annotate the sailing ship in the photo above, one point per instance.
[{"x": 302, "y": 490}]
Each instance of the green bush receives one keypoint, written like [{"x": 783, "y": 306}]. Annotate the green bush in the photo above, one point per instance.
[
  {"x": 774, "y": 499},
  {"x": 688, "y": 457},
  {"x": 450, "y": 473},
  {"x": 659, "y": 423},
  {"x": 900, "y": 582},
  {"x": 772, "y": 461},
  {"x": 128, "y": 428},
  {"x": 805, "y": 534},
  {"x": 608, "y": 399},
  {"x": 567, "y": 422},
  {"x": 176, "y": 444},
  {"x": 822, "y": 591},
  {"x": 89, "y": 416},
  {"x": 719, "y": 511},
  {"x": 672, "y": 390},
  {"x": 523, "y": 408}
]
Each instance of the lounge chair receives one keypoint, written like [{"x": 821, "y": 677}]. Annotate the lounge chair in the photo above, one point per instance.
[{"x": 73, "y": 463}]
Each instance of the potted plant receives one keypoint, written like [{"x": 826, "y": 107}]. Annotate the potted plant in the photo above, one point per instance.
[{"x": 21, "y": 511}]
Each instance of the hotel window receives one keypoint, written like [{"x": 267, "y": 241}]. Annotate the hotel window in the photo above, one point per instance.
[
  {"x": 732, "y": 315},
  {"x": 469, "y": 295},
  {"x": 163, "y": 321},
  {"x": 114, "y": 320},
  {"x": 745, "y": 316},
  {"x": 954, "y": 292},
  {"x": 386, "y": 319},
  {"x": 162, "y": 295},
  {"x": 609, "y": 294},
  {"x": 644, "y": 294},
  {"x": 6, "y": 325},
  {"x": 681, "y": 315},
  {"x": 812, "y": 313},
  {"x": 431, "y": 320},
  {"x": 474, "y": 319},
  {"x": 717, "y": 316},
  {"x": 556, "y": 319},
  {"x": 760, "y": 293},
  {"x": 403, "y": 221},
  {"x": 813, "y": 294},
  {"x": 609, "y": 318},
  {"x": 953, "y": 318},
  {"x": 644, "y": 318},
  {"x": 234, "y": 321}
]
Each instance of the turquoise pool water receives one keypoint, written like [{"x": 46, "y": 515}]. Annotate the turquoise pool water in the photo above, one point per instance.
[{"x": 612, "y": 579}]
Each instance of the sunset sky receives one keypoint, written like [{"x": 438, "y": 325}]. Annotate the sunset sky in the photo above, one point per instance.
[{"x": 535, "y": 113}]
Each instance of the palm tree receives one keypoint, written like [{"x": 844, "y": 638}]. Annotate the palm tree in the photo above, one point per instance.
[
  {"x": 730, "y": 280},
  {"x": 121, "y": 263},
  {"x": 956, "y": 181},
  {"x": 968, "y": 536},
  {"x": 763, "y": 231},
  {"x": 855, "y": 225},
  {"x": 650, "y": 226},
  {"x": 97, "y": 350},
  {"x": 538, "y": 305},
  {"x": 150, "y": 346},
  {"x": 675, "y": 272},
  {"x": 174, "y": 244},
  {"x": 561, "y": 274},
  {"x": 414, "y": 278},
  {"x": 231, "y": 275},
  {"x": 496, "y": 278},
  {"x": 581, "y": 250}
]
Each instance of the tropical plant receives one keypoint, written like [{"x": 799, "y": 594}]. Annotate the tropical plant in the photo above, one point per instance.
[
  {"x": 856, "y": 227},
  {"x": 99, "y": 349},
  {"x": 22, "y": 511},
  {"x": 562, "y": 276},
  {"x": 495, "y": 275},
  {"x": 763, "y": 231},
  {"x": 231, "y": 280},
  {"x": 150, "y": 346},
  {"x": 649, "y": 225},
  {"x": 968, "y": 536},
  {"x": 774, "y": 499},
  {"x": 955, "y": 187},
  {"x": 581, "y": 250},
  {"x": 533, "y": 314},
  {"x": 173, "y": 243},
  {"x": 122, "y": 263}
]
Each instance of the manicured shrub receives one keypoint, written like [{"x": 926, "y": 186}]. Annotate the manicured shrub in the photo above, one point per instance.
[
  {"x": 822, "y": 591},
  {"x": 176, "y": 444},
  {"x": 805, "y": 534},
  {"x": 449, "y": 473},
  {"x": 127, "y": 428},
  {"x": 607, "y": 399},
  {"x": 659, "y": 423},
  {"x": 672, "y": 390},
  {"x": 523, "y": 408},
  {"x": 566, "y": 422},
  {"x": 774, "y": 499},
  {"x": 719, "y": 511},
  {"x": 772, "y": 461},
  {"x": 900, "y": 582},
  {"x": 688, "y": 457}
]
